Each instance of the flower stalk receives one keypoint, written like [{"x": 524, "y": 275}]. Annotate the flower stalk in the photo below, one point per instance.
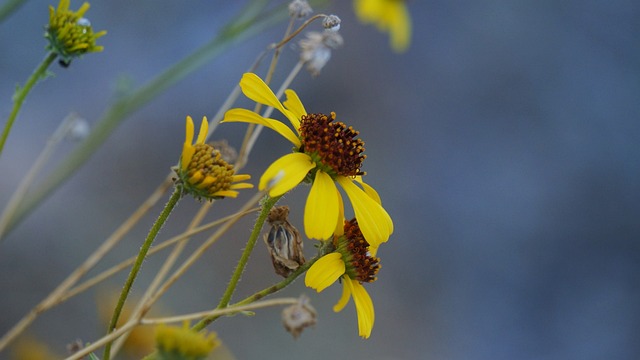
[
  {"x": 155, "y": 229},
  {"x": 21, "y": 93},
  {"x": 267, "y": 204}
]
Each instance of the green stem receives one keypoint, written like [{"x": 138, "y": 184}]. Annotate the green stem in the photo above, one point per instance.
[
  {"x": 22, "y": 92},
  {"x": 138, "y": 264},
  {"x": 260, "y": 294},
  {"x": 267, "y": 204}
]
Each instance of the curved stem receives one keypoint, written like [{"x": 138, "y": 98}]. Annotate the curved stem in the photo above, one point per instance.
[
  {"x": 22, "y": 92},
  {"x": 155, "y": 229}
]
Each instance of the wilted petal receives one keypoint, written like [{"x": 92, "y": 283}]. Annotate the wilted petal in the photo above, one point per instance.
[{"x": 374, "y": 221}]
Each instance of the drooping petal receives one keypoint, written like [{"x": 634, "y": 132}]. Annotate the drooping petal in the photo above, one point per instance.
[
  {"x": 346, "y": 295},
  {"x": 369, "y": 190},
  {"x": 325, "y": 271},
  {"x": 373, "y": 219},
  {"x": 204, "y": 130},
  {"x": 244, "y": 115},
  {"x": 285, "y": 173},
  {"x": 187, "y": 147},
  {"x": 294, "y": 105},
  {"x": 321, "y": 210},
  {"x": 364, "y": 308}
]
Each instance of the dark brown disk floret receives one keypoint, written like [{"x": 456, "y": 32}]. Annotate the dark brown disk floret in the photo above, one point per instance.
[
  {"x": 332, "y": 143},
  {"x": 362, "y": 266}
]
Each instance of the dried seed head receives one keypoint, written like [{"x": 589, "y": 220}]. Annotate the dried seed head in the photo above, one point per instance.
[
  {"x": 316, "y": 49},
  {"x": 299, "y": 316},
  {"x": 299, "y": 9},
  {"x": 331, "y": 23}
]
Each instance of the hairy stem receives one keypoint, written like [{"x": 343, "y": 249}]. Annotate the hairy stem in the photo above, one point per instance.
[
  {"x": 155, "y": 229},
  {"x": 21, "y": 93}
]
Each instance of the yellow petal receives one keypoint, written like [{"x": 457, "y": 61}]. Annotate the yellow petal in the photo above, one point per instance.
[
  {"x": 244, "y": 115},
  {"x": 346, "y": 295},
  {"x": 187, "y": 147},
  {"x": 339, "y": 231},
  {"x": 364, "y": 308},
  {"x": 83, "y": 9},
  {"x": 285, "y": 173},
  {"x": 241, "y": 186},
  {"x": 204, "y": 130},
  {"x": 369, "y": 190},
  {"x": 226, "y": 193},
  {"x": 294, "y": 105},
  {"x": 374, "y": 221},
  {"x": 321, "y": 210},
  {"x": 255, "y": 89},
  {"x": 325, "y": 271}
]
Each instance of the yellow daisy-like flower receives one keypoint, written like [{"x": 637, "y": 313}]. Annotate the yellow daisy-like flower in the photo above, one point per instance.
[
  {"x": 202, "y": 172},
  {"x": 353, "y": 263},
  {"x": 183, "y": 343},
  {"x": 69, "y": 33},
  {"x": 326, "y": 152},
  {"x": 390, "y": 16}
]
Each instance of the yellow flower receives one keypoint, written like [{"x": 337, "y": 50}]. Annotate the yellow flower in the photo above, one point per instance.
[
  {"x": 69, "y": 33},
  {"x": 389, "y": 16},
  {"x": 353, "y": 263},
  {"x": 202, "y": 171},
  {"x": 326, "y": 152},
  {"x": 183, "y": 343}
]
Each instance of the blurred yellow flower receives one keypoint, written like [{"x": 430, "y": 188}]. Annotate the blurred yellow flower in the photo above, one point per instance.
[
  {"x": 326, "y": 152},
  {"x": 390, "y": 16},
  {"x": 352, "y": 263},
  {"x": 202, "y": 171},
  {"x": 175, "y": 342}
]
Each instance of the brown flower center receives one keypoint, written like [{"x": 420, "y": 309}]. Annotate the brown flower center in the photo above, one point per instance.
[
  {"x": 355, "y": 249},
  {"x": 332, "y": 144}
]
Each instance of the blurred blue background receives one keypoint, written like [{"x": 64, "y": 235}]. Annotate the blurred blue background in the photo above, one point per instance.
[{"x": 504, "y": 144}]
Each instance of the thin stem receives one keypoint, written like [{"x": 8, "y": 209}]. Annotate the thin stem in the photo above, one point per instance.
[
  {"x": 298, "y": 30},
  {"x": 21, "y": 93},
  {"x": 123, "y": 265},
  {"x": 198, "y": 253},
  {"x": 267, "y": 204},
  {"x": 219, "y": 312},
  {"x": 141, "y": 307},
  {"x": 258, "y": 295},
  {"x": 40, "y": 161},
  {"x": 155, "y": 229},
  {"x": 54, "y": 297}
]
